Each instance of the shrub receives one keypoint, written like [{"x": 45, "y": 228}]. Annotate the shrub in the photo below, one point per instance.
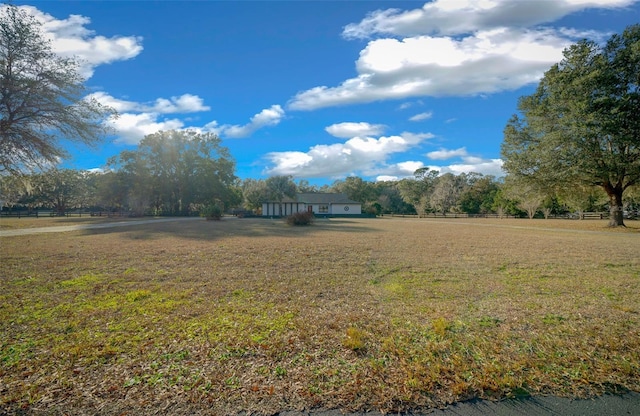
[
  {"x": 300, "y": 218},
  {"x": 212, "y": 212}
]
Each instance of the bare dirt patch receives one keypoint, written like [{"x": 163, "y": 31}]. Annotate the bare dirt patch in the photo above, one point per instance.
[{"x": 255, "y": 315}]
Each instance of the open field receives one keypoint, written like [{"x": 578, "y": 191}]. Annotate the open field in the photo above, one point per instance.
[{"x": 249, "y": 314}]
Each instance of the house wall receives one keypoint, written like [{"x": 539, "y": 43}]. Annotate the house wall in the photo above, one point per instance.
[
  {"x": 272, "y": 209},
  {"x": 345, "y": 209}
]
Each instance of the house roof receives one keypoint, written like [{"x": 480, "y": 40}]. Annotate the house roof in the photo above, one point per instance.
[{"x": 320, "y": 198}]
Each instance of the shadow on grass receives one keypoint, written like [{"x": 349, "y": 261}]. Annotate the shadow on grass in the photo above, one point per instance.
[{"x": 201, "y": 229}]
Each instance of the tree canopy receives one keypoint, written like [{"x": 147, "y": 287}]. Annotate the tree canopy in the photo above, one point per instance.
[
  {"x": 582, "y": 124},
  {"x": 176, "y": 171},
  {"x": 42, "y": 97}
]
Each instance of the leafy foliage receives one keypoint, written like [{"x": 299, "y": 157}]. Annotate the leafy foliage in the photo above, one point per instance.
[
  {"x": 41, "y": 97},
  {"x": 173, "y": 171},
  {"x": 582, "y": 125},
  {"x": 212, "y": 211}
]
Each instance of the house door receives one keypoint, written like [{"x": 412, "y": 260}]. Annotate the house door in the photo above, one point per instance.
[{"x": 310, "y": 209}]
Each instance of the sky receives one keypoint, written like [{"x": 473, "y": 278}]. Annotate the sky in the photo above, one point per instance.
[{"x": 322, "y": 90}]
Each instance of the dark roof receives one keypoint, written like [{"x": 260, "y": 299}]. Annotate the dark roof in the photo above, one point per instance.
[{"x": 320, "y": 198}]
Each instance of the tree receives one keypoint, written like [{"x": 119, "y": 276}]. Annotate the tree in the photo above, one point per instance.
[
  {"x": 112, "y": 191},
  {"x": 13, "y": 188},
  {"x": 582, "y": 198},
  {"x": 41, "y": 97},
  {"x": 478, "y": 197},
  {"x": 390, "y": 199},
  {"x": 446, "y": 192},
  {"x": 254, "y": 193},
  {"x": 279, "y": 187},
  {"x": 417, "y": 191},
  {"x": 582, "y": 125},
  {"x": 60, "y": 189},
  {"x": 177, "y": 171},
  {"x": 305, "y": 187},
  {"x": 356, "y": 189}
]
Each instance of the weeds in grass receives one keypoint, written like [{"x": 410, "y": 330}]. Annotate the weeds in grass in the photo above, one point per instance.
[
  {"x": 386, "y": 315},
  {"x": 354, "y": 339}
]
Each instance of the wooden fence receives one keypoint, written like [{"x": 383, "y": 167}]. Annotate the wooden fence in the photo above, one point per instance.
[
  {"x": 50, "y": 213},
  {"x": 573, "y": 216},
  {"x": 451, "y": 215}
]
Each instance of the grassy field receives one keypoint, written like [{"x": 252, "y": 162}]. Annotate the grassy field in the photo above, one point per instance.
[{"x": 248, "y": 314}]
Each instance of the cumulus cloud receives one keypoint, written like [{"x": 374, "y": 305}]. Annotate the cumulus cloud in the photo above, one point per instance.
[
  {"x": 465, "y": 163},
  {"x": 422, "y": 116},
  {"x": 452, "y": 48},
  {"x": 348, "y": 130},
  {"x": 131, "y": 128},
  {"x": 268, "y": 117},
  {"x": 444, "y": 154},
  {"x": 364, "y": 155},
  {"x": 136, "y": 120},
  {"x": 485, "y": 167},
  {"x": 186, "y": 103},
  {"x": 462, "y": 162},
  {"x": 446, "y": 17},
  {"x": 487, "y": 62},
  {"x": 70, "y": 38}
]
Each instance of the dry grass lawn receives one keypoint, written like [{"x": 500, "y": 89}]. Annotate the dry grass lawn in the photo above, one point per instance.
[{"x": 218, "y": 317}]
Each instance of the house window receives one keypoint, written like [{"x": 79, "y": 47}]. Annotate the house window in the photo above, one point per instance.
[{"x": 323, "y": 209}]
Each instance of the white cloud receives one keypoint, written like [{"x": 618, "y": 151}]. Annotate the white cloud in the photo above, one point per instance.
[
  {"x": 466, "y": 163},
  {"x": 70, "y": 38},
  {"x": 136, "y": 120},
  {"x": 471, "y": 165},
  {"x": 348, "y": 130},
  {"x": 387, "y": 178},
  {"x": 486, "y": 167},
  {"x": 447, "y": 17},
  {"x": 444, "y": 154},
  {"x": 268, "y": 117},
  {"x": 486, "y": 62},
  {"x": 186, "y": 103},
  {"x": 131, "y": 128},
  {"x": 422, "y": 116},
  {"x": 453, "y": 48},
  {"x": 359, "y": 154},
  {"x": 397, "y": 171}
]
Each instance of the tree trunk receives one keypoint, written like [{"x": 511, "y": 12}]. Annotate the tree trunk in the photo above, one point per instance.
[{"x": 616, "y": 219}]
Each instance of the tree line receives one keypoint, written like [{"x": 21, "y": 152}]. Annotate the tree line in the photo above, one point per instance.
[{"x": 179, "y": 173}]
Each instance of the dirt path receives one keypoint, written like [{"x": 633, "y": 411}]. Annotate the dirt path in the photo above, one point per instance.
[{"x": 67, "y": 228}]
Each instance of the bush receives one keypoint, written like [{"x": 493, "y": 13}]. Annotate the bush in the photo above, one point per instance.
[
  {"x": 300, "y": 218},
  {"x": 212, "y": 212}
]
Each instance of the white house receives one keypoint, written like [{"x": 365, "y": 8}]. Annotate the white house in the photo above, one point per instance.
[{"x": 318, "y": 203}]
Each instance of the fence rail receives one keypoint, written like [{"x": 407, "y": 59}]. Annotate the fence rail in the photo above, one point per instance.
[
  {"x": 451, "y": 215},
  {"x": 72, "y": 213},
  {"x": 576, "y": 215}
]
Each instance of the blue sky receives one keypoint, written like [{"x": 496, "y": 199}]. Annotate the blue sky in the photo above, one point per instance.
[{"x": 322, "y": 90}]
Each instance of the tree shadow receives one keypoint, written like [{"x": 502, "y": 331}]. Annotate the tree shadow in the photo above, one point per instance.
[{"x": 203, "y": 230}]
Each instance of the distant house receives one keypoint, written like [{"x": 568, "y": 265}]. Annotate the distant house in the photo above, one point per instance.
[{"x": 318, "y": 203}]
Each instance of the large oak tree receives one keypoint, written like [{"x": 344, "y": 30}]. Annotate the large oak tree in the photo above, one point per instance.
[
  {"x": 582, "y": 124},
  {"x": 176, "y": 171},
  {"x": 42, "y": 97}
]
